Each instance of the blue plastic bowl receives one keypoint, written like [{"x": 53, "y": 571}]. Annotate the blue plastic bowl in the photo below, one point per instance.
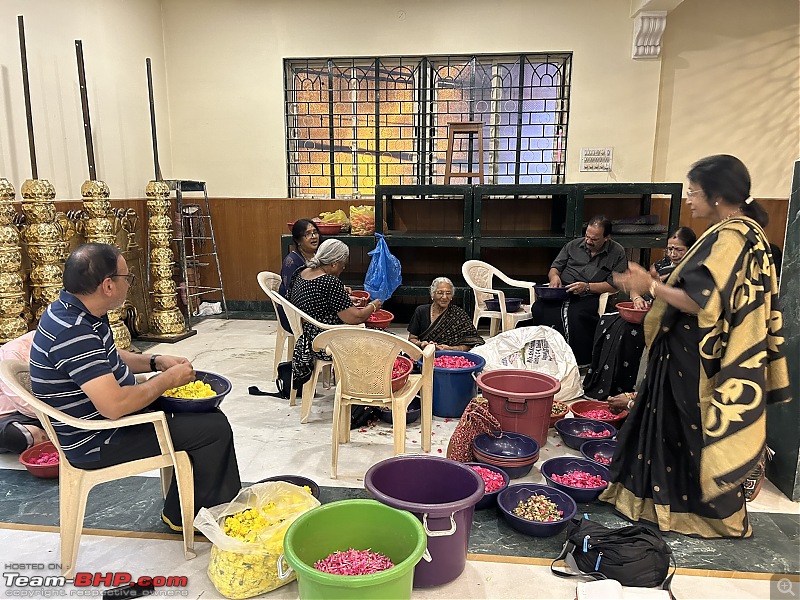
[
  {"x": 565, "y": 464},
  {"x": 544, "y": 292},
  {"x": 489, "y": 498},
  {"x": 218, "y": 383},
  {"x": 512, "y": 304},
  {"x": 297, "y": 480},
  {"x": 569, "y": 429},
  {"x": 413, "y": 413},
  {"x": 512, "y": 495},
  {"x": 508, "y": 445},
  {"x": 603, "y": 447}
]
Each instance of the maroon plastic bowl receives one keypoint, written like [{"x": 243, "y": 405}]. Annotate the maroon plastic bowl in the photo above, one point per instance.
[
  {"x": 631, "y": 314},
  {"x": 29, "y": 456},
  {"x": 380, "y": 319}
]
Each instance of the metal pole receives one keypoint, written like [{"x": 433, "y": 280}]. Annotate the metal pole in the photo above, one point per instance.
[
  {"x": 26, "y": 89},
  {"x": 153, "y": 120},
  {"x": 87, "y": 124}
]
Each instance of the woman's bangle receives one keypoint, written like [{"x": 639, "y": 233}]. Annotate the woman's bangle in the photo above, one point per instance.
[
  {"x": 654, "y": 285},
  {"x": 630, "y": 404},
  {"x": 374, "y": 307},
  {"x": 636, "y": 297}
]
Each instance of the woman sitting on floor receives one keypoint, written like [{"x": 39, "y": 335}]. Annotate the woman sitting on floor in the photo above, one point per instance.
[
  {"x": 618, "y": 345},
  {"x": 318, "y": 291},
  {"x": 441, "y": 322}
]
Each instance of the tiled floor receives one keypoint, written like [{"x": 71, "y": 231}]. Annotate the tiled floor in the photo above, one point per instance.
[{"x": 125, "y": 534}]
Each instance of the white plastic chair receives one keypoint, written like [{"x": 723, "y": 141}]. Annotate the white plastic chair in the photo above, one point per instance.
[
  {"x": 272, "y": 281},
  {"x": 479, "y": 276},
  {"x": 295, "y": 316},
  {"x": 363, "y": 359},
  {"x": 75, "y": 484}
]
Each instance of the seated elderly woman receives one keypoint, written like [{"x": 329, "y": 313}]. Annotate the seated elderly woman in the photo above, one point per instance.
[
  {"x": 442, "y": 323},
  {"x": 318, "y": 291}
]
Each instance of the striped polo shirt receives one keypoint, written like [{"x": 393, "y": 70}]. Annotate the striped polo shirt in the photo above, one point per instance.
[{"x": 70, "y": 348}]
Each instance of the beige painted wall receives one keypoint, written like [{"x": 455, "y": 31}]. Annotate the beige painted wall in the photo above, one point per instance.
[
  {"x": 731, "y": 84},
  {"x": 728, "y": 81},
  {"x": 117, "y": 36},
  {"x": 226, "y": 82}
]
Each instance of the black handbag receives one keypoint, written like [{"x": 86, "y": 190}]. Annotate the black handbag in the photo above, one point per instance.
[{"x": 634, "y": 555}]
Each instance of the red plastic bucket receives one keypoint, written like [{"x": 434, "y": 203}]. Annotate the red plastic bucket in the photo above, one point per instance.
[
  {"x": 521, "y": 400},
  {"x": 442, "y": 494}
]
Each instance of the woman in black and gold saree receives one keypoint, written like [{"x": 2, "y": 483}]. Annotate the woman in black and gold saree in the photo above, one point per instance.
[
  {"x": 442, "y": 323},
  {"x": 698, "y": 426}
]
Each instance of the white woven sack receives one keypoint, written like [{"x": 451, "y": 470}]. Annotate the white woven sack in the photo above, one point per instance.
[{"x": 538, "y": 348}]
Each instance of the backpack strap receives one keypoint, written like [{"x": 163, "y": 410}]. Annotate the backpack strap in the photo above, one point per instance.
[
  {"x": 668, "y": 580},
  {"x": 567, "y": 557}
]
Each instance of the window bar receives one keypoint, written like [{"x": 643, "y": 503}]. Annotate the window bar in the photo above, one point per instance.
[
  {"x": 377, "y": 125},
  {"x": 520, "y": 97},
  {"x": 290, "y": 164},
  {"x": 495, "y": 104},
  {"x": 332, "y": 152},
  {"x": 420, "y": 117},
  {"x": 561, "y": 164},
  {"x": 471, "y": 117}
]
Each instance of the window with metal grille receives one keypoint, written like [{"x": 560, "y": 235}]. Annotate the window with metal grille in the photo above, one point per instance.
[{"x": 354, "y": 123}]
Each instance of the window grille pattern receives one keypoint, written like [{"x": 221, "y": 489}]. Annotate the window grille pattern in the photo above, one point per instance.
[{"x": 354, "y": 123}]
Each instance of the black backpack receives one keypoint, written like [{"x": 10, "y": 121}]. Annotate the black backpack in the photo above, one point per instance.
[{"x": 635, "y": 555}]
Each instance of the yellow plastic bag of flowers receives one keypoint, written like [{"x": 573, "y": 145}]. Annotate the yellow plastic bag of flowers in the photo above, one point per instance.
[
  {"x": 247, "y": 536},
  {"x": 362, "y": 220}
]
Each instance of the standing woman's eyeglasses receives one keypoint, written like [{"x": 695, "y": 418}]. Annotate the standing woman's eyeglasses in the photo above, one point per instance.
[{"x": 312, "y": 233}]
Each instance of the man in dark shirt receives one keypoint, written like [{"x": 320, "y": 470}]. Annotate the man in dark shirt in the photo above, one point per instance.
[
  {"x": 76, "y": 368},
  {"x": 585, "y": 266}
]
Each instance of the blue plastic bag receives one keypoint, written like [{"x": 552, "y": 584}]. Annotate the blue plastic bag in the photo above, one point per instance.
[{"x": 383, "y": 275}]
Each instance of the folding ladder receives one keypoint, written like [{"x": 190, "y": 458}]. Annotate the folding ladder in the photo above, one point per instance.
[{"x": 193, "y": 232}]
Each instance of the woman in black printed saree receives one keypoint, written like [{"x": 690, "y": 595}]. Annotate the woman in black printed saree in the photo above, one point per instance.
[{"x": 698, "y": 426}]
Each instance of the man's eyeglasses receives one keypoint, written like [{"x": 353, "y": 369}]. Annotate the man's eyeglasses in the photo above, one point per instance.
[
  {"x": 312, "y": 233},
  {"x": 129, "y": 277}
]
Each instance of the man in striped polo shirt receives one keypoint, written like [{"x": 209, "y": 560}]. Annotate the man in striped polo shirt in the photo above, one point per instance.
[{"x": 76, "y": 368}]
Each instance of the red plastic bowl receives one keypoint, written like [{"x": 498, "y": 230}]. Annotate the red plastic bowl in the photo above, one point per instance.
[
  {"x": 380, "y": 319},
  {"x": 328, "y": 228},
  {"x": 28, "y": 457},
  {"x": 560, "y": 414},
  {"x": 400, "y": 382},
  {"x": 630, "y": 314},
  {"x": 580, "y": 407},
  {"x": 362, "y": 297}
]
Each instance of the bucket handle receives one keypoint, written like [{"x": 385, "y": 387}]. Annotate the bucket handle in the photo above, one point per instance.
[
  {"x": 511, "y": 410},
  {"x": 427, "y": 555},
  {"x": 281, "y": 573},
  {"x": 441, "y": 533}
]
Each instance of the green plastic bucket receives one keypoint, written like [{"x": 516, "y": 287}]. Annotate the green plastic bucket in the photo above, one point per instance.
[{"x": 359, "y": 524}]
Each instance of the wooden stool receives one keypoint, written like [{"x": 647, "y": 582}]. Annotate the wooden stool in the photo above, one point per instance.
[{"x": 465, "y": 128}]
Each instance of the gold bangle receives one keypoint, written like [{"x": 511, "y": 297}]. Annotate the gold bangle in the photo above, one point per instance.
[{"x": 655, "y": 284}]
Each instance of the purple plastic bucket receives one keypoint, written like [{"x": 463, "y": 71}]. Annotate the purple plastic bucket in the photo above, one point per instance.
[{"x": 442, "y": 494}]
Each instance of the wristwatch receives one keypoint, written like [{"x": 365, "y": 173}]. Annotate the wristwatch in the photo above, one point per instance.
[{"x": 153, "y": 358}]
